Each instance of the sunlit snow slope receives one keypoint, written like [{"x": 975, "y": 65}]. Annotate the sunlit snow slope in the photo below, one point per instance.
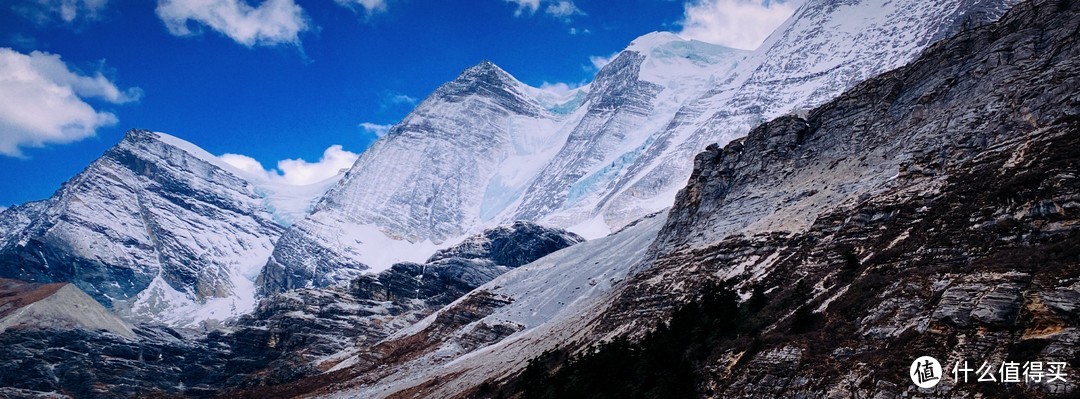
[
  {"x": 157, "y": 228},
  {"x": 487, "y": 149}
]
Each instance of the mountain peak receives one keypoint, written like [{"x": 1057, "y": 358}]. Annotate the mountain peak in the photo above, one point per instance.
[
  {"x": 485, "y": 72},
  {"x": 486, "y": 65},
  {"x": 138, "y": 134},
  {"x": 645, "y": 43},
  {"x": 142, "y": 141},
  {"x": 488, "y": 80}
]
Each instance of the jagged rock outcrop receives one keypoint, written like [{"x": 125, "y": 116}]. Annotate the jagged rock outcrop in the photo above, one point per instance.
[
  {"x": 156, "y": 362},
  {"x": 959, "y": 164},
  {"x": 452, "y": 272},
  {"x": 499, "y": 326},
  {"x": 487, "y": 149},
  {"x": 300, "y": 333},
  {"x": 326, "y": 328},
  {"x": 419, "y": 187},
  {"x": 928, "y": 211}
]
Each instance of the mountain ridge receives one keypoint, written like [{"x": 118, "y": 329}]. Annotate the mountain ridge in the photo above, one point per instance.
[
  {"x": 151, "y": 224},
  {"x": 621, "y": 153}
]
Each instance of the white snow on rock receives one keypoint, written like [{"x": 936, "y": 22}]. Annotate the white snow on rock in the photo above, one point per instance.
[
  {"x": 158, "y": 229},
  {"x": 487, "y": 149},
  {"x": 552, "y": 300}
]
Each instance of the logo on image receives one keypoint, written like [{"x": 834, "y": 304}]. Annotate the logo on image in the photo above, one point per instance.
[{"x": 925, "y": 372}]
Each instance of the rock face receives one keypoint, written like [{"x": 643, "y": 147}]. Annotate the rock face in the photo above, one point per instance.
[
  {"x": 157, "y": 361},
  {"x": 156, "y": 228},
  {"x": 452, "y": 272},
  {"x": 418, "y": 187},
  {"x": 929, "y": 211},
  {"x": 327, "y": 327},
  {"x": 300, "y": 333},
  {"x": 58, "y": 305},
  {"x": 486, "y": 149},
  {"x": 491, "y": 331}
]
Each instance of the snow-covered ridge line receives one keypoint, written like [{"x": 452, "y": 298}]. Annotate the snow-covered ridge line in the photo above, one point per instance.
[
  {"x": 287, "y": 202},
  {"x": 486, "y": 149}
]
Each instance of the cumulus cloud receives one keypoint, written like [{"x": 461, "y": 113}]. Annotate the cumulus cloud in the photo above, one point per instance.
[
  {"x": 598, "y": 62},
  {"x": 558, "y": 89},
  {"x": 246, "y": 164},
  {"x": 270, "y": 23},
  {"x": 370, "y": 6},
  {"x": 297, "y": 172},
  {"x": 741, "y": 24},
  {"x": 556, "y": 8},
  {"x": 44, "y": 102},
  {"x": 398, "y": 98},
  {"x": 67, "y": 11},
  {"x": 375, "y": 128},
  {"x": 525, "y": 6},
  {"x": 562, "y": 9},
  {"x": 391, "y": 99}
]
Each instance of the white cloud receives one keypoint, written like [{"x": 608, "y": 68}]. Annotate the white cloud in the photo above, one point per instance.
[
  {"x": 245, "y": 163},
  {"x": 44, "y": 102},
  {"x": 371, "y": 6},
  {"x": 563, "y": 9},
  {"x": 525, "y": 5},
  {"x": 741, "y": 24},
  {"x": 558, "y": 89},
  {"x": 297, "y": 172},
  {"x": 599, "y": 62},
  {"x": 375, "y": 128},
  {"x": 576, "y": 31},
  {"x": 398, "y": 98},
  {"x": 68, "y": 11},
  {"x": 272, "y": 22},
  {"x": 391, "y": 99},
  {"x": 556, "y": 8}
]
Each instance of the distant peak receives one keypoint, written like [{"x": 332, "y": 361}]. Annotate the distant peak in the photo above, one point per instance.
[
  {"x": 485, "y": 71},
  {"x": 139, "y": 134},
  {"x": 145, "y": 142},
  {"x": 486, "y": 64},
  {"x": 652, "y": 40},
  {"x": 487, "y": 79},
  {"x": 668, "y": 47}
]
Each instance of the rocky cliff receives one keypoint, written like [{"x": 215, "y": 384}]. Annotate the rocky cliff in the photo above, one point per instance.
[
  {"x": 486, "y": 149},
  {"x": 300, "y": 333},
  {"x": 929, "y": 211}
]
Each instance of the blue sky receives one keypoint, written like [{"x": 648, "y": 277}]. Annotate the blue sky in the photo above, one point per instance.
[{"x": 288, "y": 79}]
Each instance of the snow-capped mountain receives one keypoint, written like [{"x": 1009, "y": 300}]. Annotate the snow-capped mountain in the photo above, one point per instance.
[
  {"x": 825, "y": 48},
  {"x": 424, "y": 184},
  {"x": 157, "y": 228},
  {"x": 930, "y": 209},
  {"x": 934, "y": 206},
  {"x": 487, "y": 149}
]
